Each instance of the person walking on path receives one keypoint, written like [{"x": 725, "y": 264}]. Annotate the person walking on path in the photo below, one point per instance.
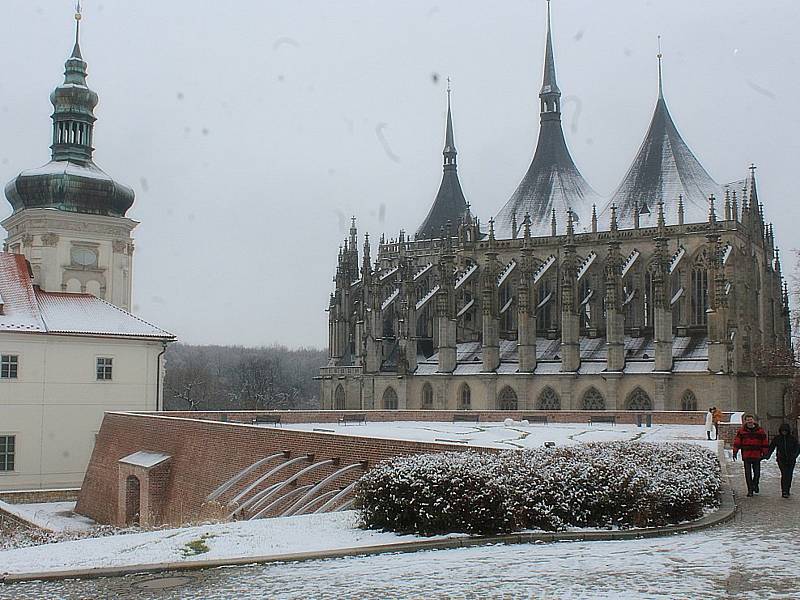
[
  {"x": 752, "y": 441},
  {"x": 716, "y": 418},
  {"x": 788, "y": 450},
  {"x": 709, "y": 422}
]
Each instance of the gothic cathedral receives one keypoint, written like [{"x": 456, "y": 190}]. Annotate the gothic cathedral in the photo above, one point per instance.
[{"x": 666, "y": 296}]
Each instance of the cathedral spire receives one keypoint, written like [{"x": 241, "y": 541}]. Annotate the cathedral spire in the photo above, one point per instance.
[
  {"x": 450, "y": 204},
  {"x": 449, "y": 141},
  {"x": 552, "y": 180},
  {"x": 550, "y": 95},
  {"x": 660, "y": 79}
]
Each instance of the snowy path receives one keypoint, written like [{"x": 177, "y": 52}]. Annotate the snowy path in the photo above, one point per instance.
[{"x": 754, "y": 557}]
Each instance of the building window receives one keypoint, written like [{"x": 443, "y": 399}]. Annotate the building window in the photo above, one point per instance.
[
  {"x": 465, "y": 398},
  {"x": 507, "y": 399},
  {"x": 339, "y": 398},
  {"x": 6, "y": 452},
  {"x": 390, "y": 399},
  {"x": 688, "y": 401},
  {"x": 548, "y": 400},
  {"x": 593, "y": 400},
  {"x": 639, "y": 400},
  {"x": 427, "y": 396},
  {"x": 104, "y": 367},
  {"x": 699, "y": 296},
  {"x": 9, "y": 364}
]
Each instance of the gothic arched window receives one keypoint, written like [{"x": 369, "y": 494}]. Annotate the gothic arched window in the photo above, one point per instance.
[
  {"x": 638, "y": 400},
  {"x": 464, "y": 397},
  {"x": 339, "y": 398},
  {"x": 507, "y": 399},
  {"x": 548, "y": 400},
  {"x": 593, "y": 400},
  {"x": 427, "y": 396},
  {"x": 688, "y": 400},
  {"x": 699, "y": 296},
  {"x": 390, "y": 398}
]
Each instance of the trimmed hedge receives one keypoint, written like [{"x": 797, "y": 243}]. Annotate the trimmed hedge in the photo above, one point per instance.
[{"x": 599, "y": 485}]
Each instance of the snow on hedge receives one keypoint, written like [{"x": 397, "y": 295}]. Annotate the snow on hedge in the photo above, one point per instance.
[{"x": 622, "y": 484}]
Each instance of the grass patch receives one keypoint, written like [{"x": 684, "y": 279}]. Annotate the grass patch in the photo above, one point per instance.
[{"x": 197, "y": 546}]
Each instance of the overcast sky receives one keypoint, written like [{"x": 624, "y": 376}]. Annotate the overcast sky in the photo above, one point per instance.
[{"x": 252, "y": 130}]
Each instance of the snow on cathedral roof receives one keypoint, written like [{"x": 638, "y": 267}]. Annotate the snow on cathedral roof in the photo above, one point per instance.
[
  {"x": 28, "y": 309},
  {"x": 553, "y": 184},
  {"x": 664, "y": 170}
]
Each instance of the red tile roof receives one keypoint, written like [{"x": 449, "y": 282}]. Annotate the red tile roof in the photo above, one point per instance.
[{"x": 28, "y": 309}]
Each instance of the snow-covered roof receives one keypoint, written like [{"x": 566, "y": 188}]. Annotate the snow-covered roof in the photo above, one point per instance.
[
  {"x": 146, "y": 460},
  {"x": 30, "y": 309},
  {"x": 664, "y": 170},
  {"x": 552, "y": 182}
]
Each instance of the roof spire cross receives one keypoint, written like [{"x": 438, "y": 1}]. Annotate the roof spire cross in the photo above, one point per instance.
[{"x": 660, "y": 78}]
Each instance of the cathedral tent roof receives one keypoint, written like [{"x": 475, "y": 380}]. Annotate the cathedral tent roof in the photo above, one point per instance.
[
  {"x": 450, "y": 204},
  {"x": 664, "y": 170},
  {"x": 552, "y": 181}
]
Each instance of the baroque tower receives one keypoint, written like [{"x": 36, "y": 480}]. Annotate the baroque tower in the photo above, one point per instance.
[{"x": 69, "y": 216}]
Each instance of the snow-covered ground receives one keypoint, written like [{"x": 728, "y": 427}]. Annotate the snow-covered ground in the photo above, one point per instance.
[
  {"x": 752, "y": 557},
  {"x": 287, "y": 535},
  {"x": 53, "y": 516},
  {"x": 499, "y": 435}
]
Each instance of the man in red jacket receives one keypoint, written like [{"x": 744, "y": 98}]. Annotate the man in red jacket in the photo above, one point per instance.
[{"x": 752, "y": 441}]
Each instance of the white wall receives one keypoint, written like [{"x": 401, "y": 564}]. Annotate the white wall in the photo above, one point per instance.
[{"x": 56, "y": 405}]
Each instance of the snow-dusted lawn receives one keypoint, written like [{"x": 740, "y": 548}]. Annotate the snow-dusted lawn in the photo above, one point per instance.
[
  {"x": 287, "y": 535},
  {"x": 498, "y": 435},
  {"x": 53, "y": 516}
]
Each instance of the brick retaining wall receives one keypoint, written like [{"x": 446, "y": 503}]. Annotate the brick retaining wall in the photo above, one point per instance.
[
  {"x": 36, "y": 496},
  {"x": 208, "y": 448},
  {"x": 207, "y": 453}
]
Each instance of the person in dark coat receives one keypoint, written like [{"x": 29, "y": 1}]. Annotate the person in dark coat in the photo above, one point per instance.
[
  {"x": 788, "y": 449},
  {"x": 752, "y": 441}
]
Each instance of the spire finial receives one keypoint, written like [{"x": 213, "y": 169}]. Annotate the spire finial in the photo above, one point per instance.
[
  {"x": 660, "y": 80},
  {"x": 76, "y": 50},
  {"x": 449, "y": 139}
]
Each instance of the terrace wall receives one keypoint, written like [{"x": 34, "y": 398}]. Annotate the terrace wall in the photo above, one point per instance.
[
  {"x": 208, "y": 448},
  {"x": 206, "y": 453}
]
